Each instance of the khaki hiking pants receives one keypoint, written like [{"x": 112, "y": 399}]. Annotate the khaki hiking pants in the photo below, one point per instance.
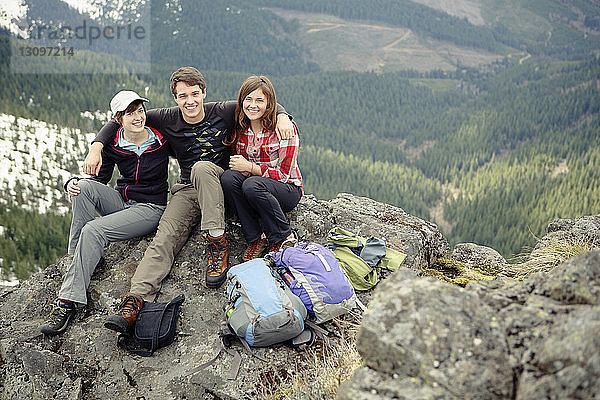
[{"x": 181, "y": 215}]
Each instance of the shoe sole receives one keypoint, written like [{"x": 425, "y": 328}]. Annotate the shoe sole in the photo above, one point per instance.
[
  {"x": 216, "y": 282},
  {"x": 117, "y": 325}
]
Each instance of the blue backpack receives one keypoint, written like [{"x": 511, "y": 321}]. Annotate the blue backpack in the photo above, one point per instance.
[
  {"x": 318, "y": 280},
  {"x": 261, "y": 309}
]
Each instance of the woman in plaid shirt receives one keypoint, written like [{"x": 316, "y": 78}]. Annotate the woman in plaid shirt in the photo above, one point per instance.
[{"x": 263, "y": 181}]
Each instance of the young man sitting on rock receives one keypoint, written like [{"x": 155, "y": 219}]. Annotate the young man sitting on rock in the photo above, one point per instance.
[{"x": 196, "y": 132}]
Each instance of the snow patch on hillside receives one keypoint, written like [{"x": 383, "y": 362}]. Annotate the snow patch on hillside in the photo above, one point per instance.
[
  {"x": 85, "y": 7},
  {"x": 11, "y": 12},
  {"x": 111, "y": 9},
  {"x": 36, "y": 159}
]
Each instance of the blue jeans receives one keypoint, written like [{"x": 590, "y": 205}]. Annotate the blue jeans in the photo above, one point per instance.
[{"x": 257, "y": 199}]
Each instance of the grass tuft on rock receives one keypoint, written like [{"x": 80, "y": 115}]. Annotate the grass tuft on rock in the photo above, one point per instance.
[
  {"x": 549, "y": 254},
  {"x": 319, "y": 370}
]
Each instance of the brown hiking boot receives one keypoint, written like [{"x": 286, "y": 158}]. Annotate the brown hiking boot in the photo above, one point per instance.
[
  {"x": 255, "y": 249},
  {"x": 217, "y": 262},
  {"x": 125, "y": 318}
]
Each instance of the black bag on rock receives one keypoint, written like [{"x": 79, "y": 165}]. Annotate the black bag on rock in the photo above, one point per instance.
[{"x": 154, "y": 327}]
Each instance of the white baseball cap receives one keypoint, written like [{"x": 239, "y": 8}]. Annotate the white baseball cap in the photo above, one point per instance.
[{"x": 123, "y": 99}]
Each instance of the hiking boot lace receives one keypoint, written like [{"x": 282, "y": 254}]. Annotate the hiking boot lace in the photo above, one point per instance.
[
  {"x": 130, "y": 306},
  {"x": 215, "y": 255},
  {"x": 58, "y": 313}
]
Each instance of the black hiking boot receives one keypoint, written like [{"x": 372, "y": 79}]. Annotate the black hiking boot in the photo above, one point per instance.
[{"x": 61, "y": 315}]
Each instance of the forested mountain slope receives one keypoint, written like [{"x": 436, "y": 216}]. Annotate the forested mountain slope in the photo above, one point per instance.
[
  {"x": 564, "y": 29},
  {"x": 489, "y": 153}
]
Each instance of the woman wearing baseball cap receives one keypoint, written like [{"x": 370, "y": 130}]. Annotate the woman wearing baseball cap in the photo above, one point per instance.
[{"x": 132, "y": 208}]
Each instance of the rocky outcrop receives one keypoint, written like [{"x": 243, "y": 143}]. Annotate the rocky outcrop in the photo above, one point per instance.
[
  {"x": 420, "y": 338},
  {"x": 85, "y": 363},
  {"x": 583, "y": 229},
  {"x": 536, "y": 339}
]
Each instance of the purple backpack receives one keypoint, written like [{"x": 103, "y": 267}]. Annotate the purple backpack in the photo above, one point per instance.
[{"x": 319, "y": 281}]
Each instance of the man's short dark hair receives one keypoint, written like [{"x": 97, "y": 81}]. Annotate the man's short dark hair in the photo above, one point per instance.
[{"x": 190, "y": 76}]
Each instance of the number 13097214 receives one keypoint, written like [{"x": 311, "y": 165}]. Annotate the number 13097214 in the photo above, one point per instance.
[{"x": 46, "y": 51}]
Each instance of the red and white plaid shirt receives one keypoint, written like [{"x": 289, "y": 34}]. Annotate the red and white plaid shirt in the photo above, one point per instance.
[{"x": 277, "y": 159}]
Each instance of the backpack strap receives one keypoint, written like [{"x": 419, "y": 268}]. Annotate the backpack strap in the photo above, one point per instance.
[
  {"x": 323, "y": 260},
  {"x": 360, "y": 304},
  {"x": 223, "y": 344},
  {"x": 128, "y": 342},
  {"x": 319, "y": 332},
  {"x": 224, "y": 339},
  {"x": 235, "y": 364}
]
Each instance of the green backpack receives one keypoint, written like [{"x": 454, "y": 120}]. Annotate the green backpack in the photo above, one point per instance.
[{"x": 359, "y": 257}]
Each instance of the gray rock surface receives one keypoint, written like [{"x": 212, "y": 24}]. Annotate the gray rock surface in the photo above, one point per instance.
[
  {"x": 477, "y": 255},
  {"x": 85, "y": 363},
  {"x": 537, "y": 339}
]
